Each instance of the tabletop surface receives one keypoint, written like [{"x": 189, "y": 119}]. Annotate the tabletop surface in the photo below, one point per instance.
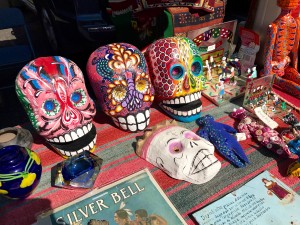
[{"x": 117, "y": 149}]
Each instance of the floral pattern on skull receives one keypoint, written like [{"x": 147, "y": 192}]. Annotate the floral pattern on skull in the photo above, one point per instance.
[
  {"x": 53, "y": 93},
  {"x": 120, "y": 79},
  {"x": 179, "y": 152},
  {"x": 176, "y": 71}
]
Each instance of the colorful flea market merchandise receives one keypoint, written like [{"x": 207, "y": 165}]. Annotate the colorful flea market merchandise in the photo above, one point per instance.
[
  {"x": 120, "y": 79},
  {"x": 53, "y": 93},
  {"x": 281, "y": 49},
  {"x": 224, "y": 138},
  {"x": 176, "y": 71},
  {"x": 292, "y": 138},
  {"x": 20, "y": 171},
  {"x": 260, "y": 132},
  {"x": 179, "y": 152}
]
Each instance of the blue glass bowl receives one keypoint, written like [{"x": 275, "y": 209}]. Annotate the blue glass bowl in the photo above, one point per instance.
[
  {"x": 79, "y": 171},
  {"x": 20, "y": 171},
  {"x": 76, "y": 166}
]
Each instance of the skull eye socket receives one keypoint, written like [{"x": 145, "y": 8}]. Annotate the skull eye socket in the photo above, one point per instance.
[
  {"x": 191, "y": 136},
  {"x": 119, "y": 93},
  {"x": 177, "y": 71},
  {"x": 196, "y": 68},
  {"x": 175, "y": 147},
  {"x": 51, "y": 107},
  {"x": 78, "y": 98},
  {"x": 142, "y": 85}
]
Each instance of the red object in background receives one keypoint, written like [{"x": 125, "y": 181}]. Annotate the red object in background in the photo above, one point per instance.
[
  {"x": 185, "y": 19},
  {"x": 289, "y": 99},
  {"x": 295, "y": 12}
]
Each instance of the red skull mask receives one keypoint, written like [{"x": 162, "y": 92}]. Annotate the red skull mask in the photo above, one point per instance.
[{"x": 53, "y": 93}]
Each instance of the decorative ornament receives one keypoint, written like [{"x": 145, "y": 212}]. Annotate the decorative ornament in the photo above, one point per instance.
[
  {"x": 79, "y": 171},
  {"x": 176, "y": 70},
  {"x": 179, "y": 152},
  {"x": 292, "y": 138},
  {"x": 53, "y": 93},
  {"x": 120, "y": 79},
  {"x": 281, "y": 49},
  {"x": 20, "y": 171},
  {"x": 222, "y": 137},
  {"x": 266, "y": 136}
]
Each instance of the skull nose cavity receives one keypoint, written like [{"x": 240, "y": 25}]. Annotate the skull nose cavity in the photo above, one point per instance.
[{"x": 186, "y": 85}]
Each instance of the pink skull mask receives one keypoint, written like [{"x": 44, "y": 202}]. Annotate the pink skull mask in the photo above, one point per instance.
[
  {"x": 176, "y": 72},
  {"x": 119, "y": 76},
  {"x": 53, "y": 93}
]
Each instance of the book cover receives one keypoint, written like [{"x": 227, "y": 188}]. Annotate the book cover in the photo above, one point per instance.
[
  {"x": 263, "y": 200},
  {"x": 117, "y": 203}
]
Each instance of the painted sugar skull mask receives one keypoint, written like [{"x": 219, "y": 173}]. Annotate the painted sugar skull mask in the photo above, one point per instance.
[
  {"x": 179, "y": 152},
  {"x": 53, "y": 93},
  {"x": 119, "y": 76},
  {"x": 177, "y": 75}
]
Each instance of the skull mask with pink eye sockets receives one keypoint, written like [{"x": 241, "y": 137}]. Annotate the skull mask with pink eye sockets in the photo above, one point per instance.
[
  {"x": 180, "y": 153},
  {"x": 120, "y": 79},
  {"x": 53, "y": 93},
  {"x": 176, "y": 72}
]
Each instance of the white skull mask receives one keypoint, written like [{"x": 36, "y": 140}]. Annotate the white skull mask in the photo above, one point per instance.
[{"x": 181, "y": 153}]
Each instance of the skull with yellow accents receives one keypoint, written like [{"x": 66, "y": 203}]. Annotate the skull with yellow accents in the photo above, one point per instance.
[
  {"x": 176, "y": 70},
  {"x": 120, "y": 79}
]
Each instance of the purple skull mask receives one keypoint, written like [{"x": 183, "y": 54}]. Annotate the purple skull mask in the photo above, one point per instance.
[
  {"x": 53, "y": 93},
  {"x": 119, "y": 76}
]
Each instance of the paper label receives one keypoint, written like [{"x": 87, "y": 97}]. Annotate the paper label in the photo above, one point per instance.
[{"x": 265, "y": 118}]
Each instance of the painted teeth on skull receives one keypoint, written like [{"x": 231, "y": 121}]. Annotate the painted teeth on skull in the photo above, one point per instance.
[
  {"x": 131, "y": 123},
  {"x": 86, "y": 148},
  {"x": 179, "y": 106},
  {"x": 134, "y": 122},
  {"x": 141, "y": 121},
  {"x": 200, "y": 157},
  {"x": 203, "y": 159},
  {"x": 68, "y": 153},
  {"x": 183, "y": 100},
  {"x": 183, "y": 113},
  {"x": 72, "y": 136}
]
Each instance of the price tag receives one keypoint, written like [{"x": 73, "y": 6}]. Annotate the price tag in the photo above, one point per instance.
[{"x": 265, "y": 118}]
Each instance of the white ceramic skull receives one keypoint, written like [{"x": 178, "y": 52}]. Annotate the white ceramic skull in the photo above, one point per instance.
[{"x": 180, "y": 153}]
